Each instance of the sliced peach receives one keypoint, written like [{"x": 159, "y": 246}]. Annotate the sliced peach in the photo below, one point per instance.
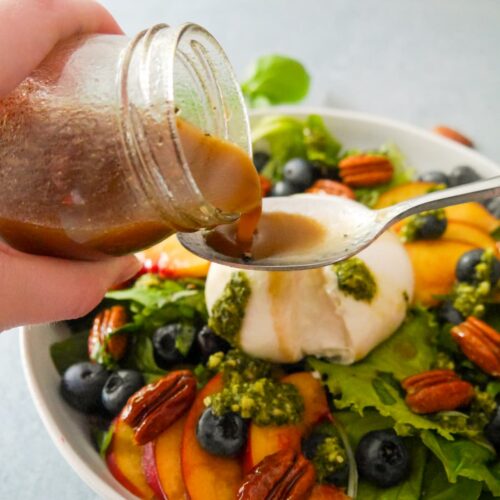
[
  {"x": 264, "y": 441},
  {"x": 434, "y": 265},
  {"x": 207, "y": 476},
  {"x": 473, "y": 214},
  {"x": 171, "y": 260},
  {"x": 124, "y": 460},
  {"x": 403, "y": 192},
  {"x": 465, "y": 233},
  {"x": 327, "y": 492},
  {"x": 162, "y": 463}
]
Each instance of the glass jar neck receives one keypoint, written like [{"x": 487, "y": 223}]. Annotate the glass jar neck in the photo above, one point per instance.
[{"x": 167, "y": 74}]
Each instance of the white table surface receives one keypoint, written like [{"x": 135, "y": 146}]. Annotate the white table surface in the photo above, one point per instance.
[{"x": 421, "y": 61}]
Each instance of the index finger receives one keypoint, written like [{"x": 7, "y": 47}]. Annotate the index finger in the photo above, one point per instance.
[{"x": 29, "y": 29}]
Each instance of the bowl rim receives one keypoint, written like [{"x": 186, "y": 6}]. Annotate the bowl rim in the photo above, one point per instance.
[{"x": 90, "y": 478}]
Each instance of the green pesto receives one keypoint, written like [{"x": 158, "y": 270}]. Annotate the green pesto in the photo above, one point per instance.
[
  {"x": 470, "y": 298},
  {"x": 330, "y": 456},
  {"x": 228, "y": 311},
  {"x": 443, "y": 362},
  {"x": 251, "y": 389},
  {"x": 470, "y": 424},
  {"x": 356, "y": 279},
  {"x": 411, "y": 229}
]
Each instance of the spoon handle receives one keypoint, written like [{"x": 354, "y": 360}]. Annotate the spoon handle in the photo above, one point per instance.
[{"x": 479, "y": 190}]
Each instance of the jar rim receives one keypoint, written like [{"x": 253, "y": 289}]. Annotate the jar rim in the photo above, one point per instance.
[{"x": 194, "y": 211}]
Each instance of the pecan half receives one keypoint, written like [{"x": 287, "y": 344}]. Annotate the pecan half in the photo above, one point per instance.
[
  {"x": 480, "y": 343},
  {"x": 327, "y": 186},
  {"x": 156, "y": 406},
  {"x": 365, "y": 170},
  {"x": 284, "y": 475},
  {"x": 452, "y": 134},
  {"x": 101, "y": 342},
  {"x": 437, "y": 390}
]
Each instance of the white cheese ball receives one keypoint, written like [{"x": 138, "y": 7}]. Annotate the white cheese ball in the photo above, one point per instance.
[{"x": 293, "y": 314}]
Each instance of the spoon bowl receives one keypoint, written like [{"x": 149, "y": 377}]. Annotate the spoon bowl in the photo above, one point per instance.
[{"x": 349, "y": 226}]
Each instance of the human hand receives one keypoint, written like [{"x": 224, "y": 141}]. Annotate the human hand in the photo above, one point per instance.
[{"x": 36, "y": 289}]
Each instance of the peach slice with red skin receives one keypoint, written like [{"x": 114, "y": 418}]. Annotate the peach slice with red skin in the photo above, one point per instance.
[
  {"x": 207, "y": 476},
  {"x": 264, "y": 441},
  {"x": 124, "y": 460},
  {"x": 170, "y": 259},
  {"x": 161, "y": 463}
]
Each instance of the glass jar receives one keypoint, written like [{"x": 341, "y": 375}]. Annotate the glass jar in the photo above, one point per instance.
[{"x": 97, "y": 146}]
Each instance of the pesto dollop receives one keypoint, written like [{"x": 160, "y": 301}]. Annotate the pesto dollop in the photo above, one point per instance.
[
  {"x": 470, "y": 298},
  {"x": 252, "y": 390},
  {"x": 228, "y": 311},
  {"x": 355, "y": 279},
  {"x": 330, "y": 456}
]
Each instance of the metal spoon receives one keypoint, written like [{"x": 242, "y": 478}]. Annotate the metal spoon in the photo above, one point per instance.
[{"x": 350, "y": 225}]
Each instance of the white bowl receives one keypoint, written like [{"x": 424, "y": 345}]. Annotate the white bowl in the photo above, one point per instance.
[{"x": 423, "y": 150}]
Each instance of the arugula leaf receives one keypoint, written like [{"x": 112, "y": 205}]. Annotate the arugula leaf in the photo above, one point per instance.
[
  {"x": 69, "y": 351},
  {"x": 437, "y": 486},
  {"x": 321, "y": 146},
  {"x": 276, "y": 79},
  {"x": 464, "y": 458},
  {"x": 374, "y": 382},
  {"x": 184, "y": 340},
  {"x": 140, "y": 356}
]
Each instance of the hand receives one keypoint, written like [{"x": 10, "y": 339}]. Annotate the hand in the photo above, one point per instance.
[{"x": 37, "y": 289}]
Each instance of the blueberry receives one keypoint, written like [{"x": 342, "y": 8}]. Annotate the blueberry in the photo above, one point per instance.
[
  {"x": 81, "y": 386},
  {"x": 299, "y": 172},
  {"x": 172, "y": 342},
  {"x": 209, "y": 343},
  {"x": 223, "y": 435},
  {"x": 449, "y": 314},
  {"x": 493, "y": 206},
  {"x": 382, "y": 458},
  {"x": 431, "y": 227},
  {"x": 466, "y": 267},
  {"x": 434, "y": 176},
  {"x": 311, "y": 443},
  {"x": 119, "y": 387},
  {"x": 463, "y": 175},
  {"x": 492, "y": 429},
  {"x": 260, "y": 159},
  {"x": 284, "y": 188}
]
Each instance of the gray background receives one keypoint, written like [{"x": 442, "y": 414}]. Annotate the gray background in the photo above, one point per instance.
[{"x": 421, "y": 61}]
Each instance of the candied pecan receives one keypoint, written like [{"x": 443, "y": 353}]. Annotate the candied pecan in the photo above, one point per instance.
[
  {"x": 284, "y": 475},
  {"x": 327, "y": 186},
  {"x": 156, "y": 406},
  {"x": 102, "y": 342},
  {"x": 452, "y": 134},
  {"x": 480, "y": 343},
  {"x": 366, "y": 170},
  {"x": 437, "y": 390}
]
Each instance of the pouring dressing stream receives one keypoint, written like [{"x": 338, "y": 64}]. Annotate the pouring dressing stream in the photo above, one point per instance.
[{"x": 310, "y": 231}]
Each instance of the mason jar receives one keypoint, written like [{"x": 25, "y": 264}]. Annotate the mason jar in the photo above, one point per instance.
[{"x": 101, "y": 148}]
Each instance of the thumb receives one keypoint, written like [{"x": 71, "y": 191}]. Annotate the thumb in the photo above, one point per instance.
[{"x": 37, "y": 289}]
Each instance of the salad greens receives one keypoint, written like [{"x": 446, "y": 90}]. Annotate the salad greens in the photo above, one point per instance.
[
  {"x": 69, "y": 351},
  {"x": 276, "y": 79}
]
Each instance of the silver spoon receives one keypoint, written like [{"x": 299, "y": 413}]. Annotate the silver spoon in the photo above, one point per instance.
[{"x": 350, "y": 225}]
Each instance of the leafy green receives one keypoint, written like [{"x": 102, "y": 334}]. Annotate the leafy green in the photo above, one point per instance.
[
  {"x": 437, "y": 486},
  {"x": 496, "y": 234},
  {"x": 286, "y": 137},
  {"x": 321, "y": 146},
  {"x": 374, "y": 382},
  {"x": 184, "y": 341},
  {"x": 276, "y": 79},
  {"x": 102, "y": 438},
  {"x": 402, "y": 175},
  {"x": 465, "y": 458},
  {"x": 140, "y": 356},
  {"x": 69, "y": 351}
]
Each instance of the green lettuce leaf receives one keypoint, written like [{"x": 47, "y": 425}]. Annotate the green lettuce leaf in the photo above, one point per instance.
[
  {"x": 464, "y": 458},
  {"x": 437, "y": 486},
  {"x": 321, "y": 146},
  {"x": 69, "y": 351},
  {"x": 140, "y": 356},
  {"x": 102, "y": 438},
  {"x": 374, "y": 382},
  {"x": 276, "y": 79}
]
